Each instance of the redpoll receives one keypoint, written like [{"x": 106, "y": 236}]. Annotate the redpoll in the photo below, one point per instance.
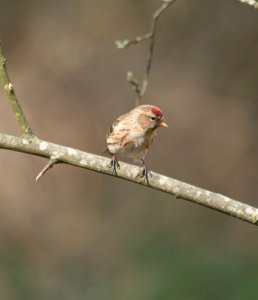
[{"x": 132, "y": 134}]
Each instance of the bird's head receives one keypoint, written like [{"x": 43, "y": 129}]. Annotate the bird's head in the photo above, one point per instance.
[
  {"x": 155, "y": 117},
  {"x": 150, "y": 117}
]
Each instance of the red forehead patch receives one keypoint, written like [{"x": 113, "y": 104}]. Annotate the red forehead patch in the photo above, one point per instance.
[{"x": 157, "y": 112}]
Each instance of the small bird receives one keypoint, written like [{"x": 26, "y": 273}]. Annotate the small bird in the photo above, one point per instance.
[{"x": 132, "y": 134}]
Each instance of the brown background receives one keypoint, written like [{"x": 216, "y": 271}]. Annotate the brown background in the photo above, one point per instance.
[{"x": 81, "y": 235}]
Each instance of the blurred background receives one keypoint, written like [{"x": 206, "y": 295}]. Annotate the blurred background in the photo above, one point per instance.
[{"x": 77, "y": 234}]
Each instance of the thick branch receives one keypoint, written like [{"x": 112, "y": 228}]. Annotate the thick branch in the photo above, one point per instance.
[
  {"x": 8, "y": 87},
  {"x": 159, "y": 182}
]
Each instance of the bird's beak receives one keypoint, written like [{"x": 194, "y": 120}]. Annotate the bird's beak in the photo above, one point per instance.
[{"x": 163, "y": 123}]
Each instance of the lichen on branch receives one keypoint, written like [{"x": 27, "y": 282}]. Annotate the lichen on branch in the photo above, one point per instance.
[
  {"x": 178, "y": 189},
  {"x": 9, "y": 89}
]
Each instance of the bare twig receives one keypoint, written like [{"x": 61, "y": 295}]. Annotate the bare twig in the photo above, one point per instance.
[
  {"x": 253, "y": 3},
  {"x": 123, "y": 44},
  {"x": 8, "y": 87},
  {"x": 51, "y": 163},
  {"x": 140, "y": 90},
  {"x": 159, "y": 182},
  {"x": 135, "y": 84},
  {"x": 156, "y": 16}
]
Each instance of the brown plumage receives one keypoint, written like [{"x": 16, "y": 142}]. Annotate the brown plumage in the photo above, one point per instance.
[{"x": 132, "y": 134}]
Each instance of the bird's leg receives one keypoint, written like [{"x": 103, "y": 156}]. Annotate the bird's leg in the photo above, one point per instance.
[
  {"x": 114, "y": 164},
  {"x": 144, "y": 173}
]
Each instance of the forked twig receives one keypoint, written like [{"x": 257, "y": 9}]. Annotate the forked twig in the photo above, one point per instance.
[{"x": 141, "y": 89}]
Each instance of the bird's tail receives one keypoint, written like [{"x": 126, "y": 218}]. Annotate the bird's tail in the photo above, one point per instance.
[{"x": 105, "y": 150}]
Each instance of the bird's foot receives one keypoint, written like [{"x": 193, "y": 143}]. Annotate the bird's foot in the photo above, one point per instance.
[
  {"x": 144, "y": 173},
  {"x": 114, "y": 164}
]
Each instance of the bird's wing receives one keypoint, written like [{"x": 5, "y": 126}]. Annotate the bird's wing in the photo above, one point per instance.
[{"x": 112, "y": 129}]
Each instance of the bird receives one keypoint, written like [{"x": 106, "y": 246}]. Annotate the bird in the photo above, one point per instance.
[{"x": 132, "y": 134}]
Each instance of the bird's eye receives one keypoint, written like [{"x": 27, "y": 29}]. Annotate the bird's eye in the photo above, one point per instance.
[{"x": 153, "y": 118}]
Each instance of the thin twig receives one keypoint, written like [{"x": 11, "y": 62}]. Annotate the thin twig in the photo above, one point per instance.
[
  {"x": 155, "y": 18},
  {"x": 8, "y": 87},
  {"x": 50, "y": 165},
  {"x": 135, "y": 84},
  {"x": 140, "y": 90},
  {"x": 159, "y": 182}
]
